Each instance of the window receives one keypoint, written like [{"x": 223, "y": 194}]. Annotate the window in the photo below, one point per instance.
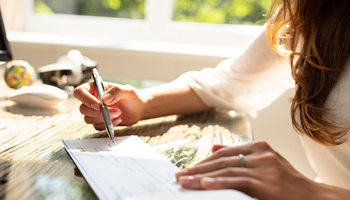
[
  {"x": 206, "y": 11},
  {"x": 159, "y": 39},
  {"x": 219, "y": 22}
]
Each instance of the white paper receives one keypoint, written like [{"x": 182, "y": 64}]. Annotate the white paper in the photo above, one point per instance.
[{"x": 128, "y": 168}]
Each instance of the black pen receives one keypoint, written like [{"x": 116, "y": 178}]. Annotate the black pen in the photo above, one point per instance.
[{"x": 100, "y": 91}]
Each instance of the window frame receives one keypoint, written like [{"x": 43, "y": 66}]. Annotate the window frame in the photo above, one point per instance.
[{"x": 157, "y": 26}]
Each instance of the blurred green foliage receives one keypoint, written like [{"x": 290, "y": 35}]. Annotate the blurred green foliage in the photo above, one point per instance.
[
  {"x": 222, "y": 11},
  {"x": 134, "y": 9},
  {"x": 181, "y": 157},
  {"x": 207, "y": 11}
]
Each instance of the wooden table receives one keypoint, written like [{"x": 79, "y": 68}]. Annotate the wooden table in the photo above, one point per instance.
[{"x": 34, "y": 164}]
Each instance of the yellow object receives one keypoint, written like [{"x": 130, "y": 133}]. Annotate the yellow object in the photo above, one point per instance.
[{"x": 19, "y": 73}]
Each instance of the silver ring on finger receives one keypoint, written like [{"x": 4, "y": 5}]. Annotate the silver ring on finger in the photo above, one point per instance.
[{"x": 241, "y": 160}]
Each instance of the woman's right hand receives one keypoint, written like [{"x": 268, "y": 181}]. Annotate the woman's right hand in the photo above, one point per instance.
[{"x": 125, "y": 103}]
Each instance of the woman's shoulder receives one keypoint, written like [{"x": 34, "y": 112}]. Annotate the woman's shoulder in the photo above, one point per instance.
[{"x": 338, "y": 99}]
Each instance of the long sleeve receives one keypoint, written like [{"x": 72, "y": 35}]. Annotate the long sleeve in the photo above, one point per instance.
[{"x": 248, "y": 83}]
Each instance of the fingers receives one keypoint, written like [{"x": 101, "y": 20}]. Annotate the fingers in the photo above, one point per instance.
[
  {"x": 217, "y": 147},
  {"x": 86, "y": 94},
  {"x": 249, "y": 148},
  {"x": 93, "y": 120},
  {"x": 87, "y": 111},
  {"x": 221, "y": 163},
  {"x": 265, "y": 172},
  {"x": 227, "y": 151},
  {"x": 247, "y": 185},
  {"x": 117, "y": 92},
  {"x": 195, "y": 182},
  {"x": 101, "y": 126},
  {"x": 95, "y": 117},
  {"x": 121, "y": 98}
]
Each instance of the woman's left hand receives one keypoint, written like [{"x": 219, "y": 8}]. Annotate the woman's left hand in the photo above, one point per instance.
[{"x": 265, "y": 174}]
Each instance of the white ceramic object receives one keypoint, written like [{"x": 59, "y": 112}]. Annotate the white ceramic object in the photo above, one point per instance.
[{"x": 41, "y": 96}]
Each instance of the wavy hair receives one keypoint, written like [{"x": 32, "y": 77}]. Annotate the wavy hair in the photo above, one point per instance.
[{"x": 316, "y": 62}]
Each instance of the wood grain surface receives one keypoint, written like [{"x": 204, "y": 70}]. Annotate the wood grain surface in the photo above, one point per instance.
[{"x": 34, "y": 164}]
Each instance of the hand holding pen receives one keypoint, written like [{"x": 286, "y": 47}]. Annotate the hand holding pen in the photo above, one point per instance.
[
  {"x": 105, "y": 113},
  {"x": 124, "y": 103}
]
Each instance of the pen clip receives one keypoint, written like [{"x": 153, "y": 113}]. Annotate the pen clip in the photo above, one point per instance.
[{"x": 100, "y": 89}]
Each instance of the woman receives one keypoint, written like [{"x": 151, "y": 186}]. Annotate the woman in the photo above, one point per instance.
[{"x": 311, "y": 48}]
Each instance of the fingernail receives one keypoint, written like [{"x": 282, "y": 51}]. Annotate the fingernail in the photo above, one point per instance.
[
  {"x": 186, "y": 180},
  {"x": 115, "y": 114},
  {"x": 207, "y": 182},
  {"x": 181, "y": 173},
  {"x": 117, "y": 121},
  {"x": 106, "y": 98},
  {"x": 95, "y": 107}
]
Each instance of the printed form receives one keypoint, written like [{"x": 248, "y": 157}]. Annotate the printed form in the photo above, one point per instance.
[{"x": 128, "y": 168}]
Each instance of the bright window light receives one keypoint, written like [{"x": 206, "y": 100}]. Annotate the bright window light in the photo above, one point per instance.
[
  {"x": 230, "y": 23},
  {"x": 246, "y": 12},
  {"x": 130, "y": 9}
]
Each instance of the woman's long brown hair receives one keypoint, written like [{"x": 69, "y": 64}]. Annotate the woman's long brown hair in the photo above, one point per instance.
[{"x": 324, "y": 27}]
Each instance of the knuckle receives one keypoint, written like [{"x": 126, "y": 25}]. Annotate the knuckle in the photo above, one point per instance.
[
  {"x": 220, "y": 152},
  {"x": 128, "y": 86},
  {"x": 262, "y": 145},
  {"x": 230, "y": 171},
  {"x": 127, "y": 89},
  {"x": 193, "y": 170},
  {"x": 131, "y": 89},
  {"x": 222, "y": 162},
  {"x": 269, "y": 157},
  {"x": 78, "y": 90},
  {"x": 114, "y": 89}
]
